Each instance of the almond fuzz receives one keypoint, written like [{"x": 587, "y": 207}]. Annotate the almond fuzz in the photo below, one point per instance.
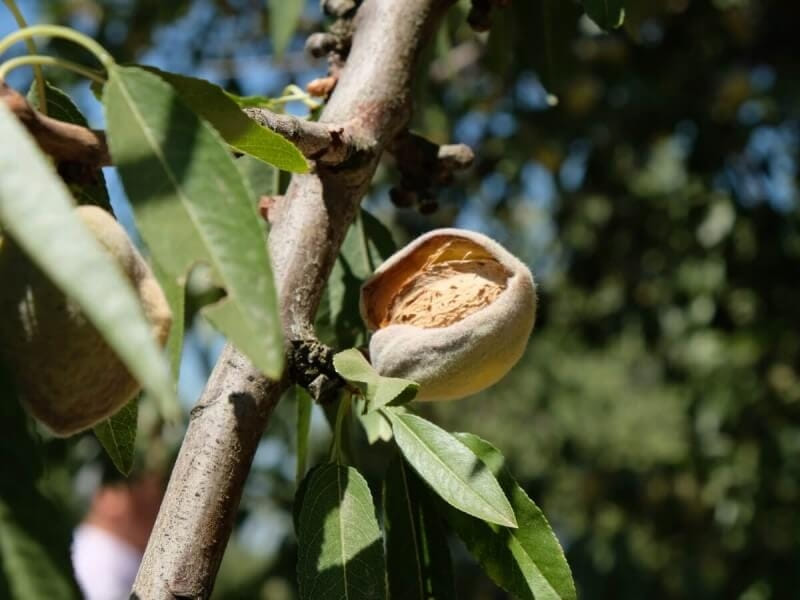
[{"x": 453, "y": 311}]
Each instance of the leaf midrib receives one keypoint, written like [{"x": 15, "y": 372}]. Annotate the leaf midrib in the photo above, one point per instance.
[{"x": 448, "y": 468}]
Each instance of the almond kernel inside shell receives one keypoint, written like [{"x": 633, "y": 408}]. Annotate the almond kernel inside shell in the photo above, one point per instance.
[{"x": 440, "y": 283}]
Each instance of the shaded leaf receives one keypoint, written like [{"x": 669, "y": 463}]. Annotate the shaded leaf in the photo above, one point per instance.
[
  {"x": 117, "y": 434},
  {"x": 262, "y": 177},
  {"x": 34, "y": 533},
  {"x": 451, "y": 469},
  {"x": 37, "y": 212},
  {"x": 367, "y": 244},
  {"x": 417, "y": 554},
  {"x": 211, "y": 103},
  {"x": 340, "y": 544},
  {"x": 379, "y": 391},
  {"x": 284, "y": 16},
  {"x": 192, "y": 204},
  {"x": 60, "y": 106},
  {"x": 376, "y": 426},
  {"x": 527, "y": 562},
  {"x": 608, "y": 14},
  {"x": 175, "y": 293}
]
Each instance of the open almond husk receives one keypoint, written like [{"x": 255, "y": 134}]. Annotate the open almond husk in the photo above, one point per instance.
[{"x": 453, "y": 311}]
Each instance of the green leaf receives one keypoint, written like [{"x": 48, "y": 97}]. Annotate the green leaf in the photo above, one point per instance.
[
  {"x": 192, "y": 204},
  {"x": 340, "y": 544},
  {"x": 544, "y": 37},
  {"x": 304, "y": 405},
  {"x": 117, "y": 434},
  {"x": 175, "y": 293},
  {"x": 37, "y": 212},
  {"x": 367, "y": 244},
  {"x": 527, "y": 562},
  {"x": 284, "y": 16},
  {"x": 451, "y": 469},
  {"x": 379, "y": 391},
  {"x": 263, "y": 178},
  {"x": 608, "y": 14},
  {"x": 35, "y": 534},
  {"x": 376, "y": 426},
  {"x": 60, "y": 106},
  {"x": 417, "y": 554},
  {"x": 210, "y": 102}
]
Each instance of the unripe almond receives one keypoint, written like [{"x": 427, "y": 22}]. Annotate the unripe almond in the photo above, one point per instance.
[
  {"x": 453, "y": 311},
  {"x": 67, "y": 375}
]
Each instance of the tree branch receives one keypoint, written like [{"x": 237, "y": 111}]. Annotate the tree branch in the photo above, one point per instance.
[
  {"x": 66, "y": 142},
  {"x": 310, "y": 222}
]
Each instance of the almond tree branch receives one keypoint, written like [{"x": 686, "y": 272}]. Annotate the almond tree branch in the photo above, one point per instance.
[
  {"x": 310, "y": 222},
  {"x": 66, "y": 142}
]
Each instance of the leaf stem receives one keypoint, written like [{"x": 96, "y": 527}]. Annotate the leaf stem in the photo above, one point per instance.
[
  {"x": 59, "y": 32},
  {"x": 31, "y": 45},
  {"x": 39, "y": 59},
  {"x": 341, "y": 413}
]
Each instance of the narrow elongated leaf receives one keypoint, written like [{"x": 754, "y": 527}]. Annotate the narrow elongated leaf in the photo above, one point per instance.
[
  {"x": 379, "y": 391},
  {"x": 283, "y": 18},
  {"x": 117, "y": 434},
  {"x": 192, "y": 204},
  {"x": 451, "y": 469},
  {"x": 262, "y": 177},
  {"x": 608, "y": 14},
  {"x": 175, "y": 294},
  {"x": 60, "y": 106},
  {"x": 242, "y": 133},
  {"x": 417, "y": 555},
  {"x": 304, "y": 405},
  {"x": 37, "y": 212},
  {"x": 340, "y": 544},
  {"x": 527, "y": 562},
  {"x": 367, "y": 244}
]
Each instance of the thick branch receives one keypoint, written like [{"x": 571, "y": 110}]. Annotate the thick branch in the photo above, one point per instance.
[
  {"x": 65, "y": 142},
  {"x": 310, "y": 222}
]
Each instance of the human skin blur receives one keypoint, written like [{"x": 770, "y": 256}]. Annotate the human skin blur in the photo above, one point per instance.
[{"x": 128, "y": 510}]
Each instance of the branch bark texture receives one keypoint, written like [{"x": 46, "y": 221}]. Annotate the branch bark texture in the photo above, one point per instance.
[{"x": 310, "y": 221}]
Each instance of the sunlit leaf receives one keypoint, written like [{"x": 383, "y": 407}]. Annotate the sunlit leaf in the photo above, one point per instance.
[
  {"x": 528, "y": 562},
  {"x": 451, "y": 469},
  {"x": 379, "y": 391},
  {"x": 211, "y": 103},
  {"x": 192, "y": 204}
]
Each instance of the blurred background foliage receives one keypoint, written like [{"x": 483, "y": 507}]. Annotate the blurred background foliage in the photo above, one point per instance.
[{"x": 649, "y": 178}]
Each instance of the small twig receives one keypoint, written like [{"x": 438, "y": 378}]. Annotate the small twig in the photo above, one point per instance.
[
  {"x": 65, "y": 142},
  {"x": 327, "y": 143},
  {"x": 424, "y": 166}
]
